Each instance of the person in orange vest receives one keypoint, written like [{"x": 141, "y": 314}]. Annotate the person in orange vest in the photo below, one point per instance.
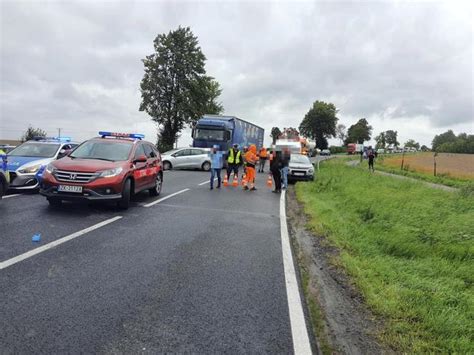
[
  {"x": 251, "y": 160},
  {"x": 263, "y": 155}
]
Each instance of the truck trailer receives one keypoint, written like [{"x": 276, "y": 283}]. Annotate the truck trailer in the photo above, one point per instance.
[{"x": 225, "y": 131}]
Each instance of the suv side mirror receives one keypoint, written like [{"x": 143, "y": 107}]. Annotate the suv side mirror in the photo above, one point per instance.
[
  {"x": 63, "y": 153},
  {"x": 141, "y": 159}
]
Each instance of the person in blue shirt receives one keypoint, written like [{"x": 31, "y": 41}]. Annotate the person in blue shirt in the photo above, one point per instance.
[{"x": 217, "y": 161}]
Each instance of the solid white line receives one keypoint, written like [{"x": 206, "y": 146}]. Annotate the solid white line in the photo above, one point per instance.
[
  {"x": 206, "y": 182},
  {"x": 29, "y": 254},
  {"x": 164, "y": 198},
  {"x": 301, "y": 344},
  {"x": 8, "y": 196}
]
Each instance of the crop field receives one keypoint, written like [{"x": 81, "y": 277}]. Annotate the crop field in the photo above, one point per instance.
[{"x": 457, "y": 166}]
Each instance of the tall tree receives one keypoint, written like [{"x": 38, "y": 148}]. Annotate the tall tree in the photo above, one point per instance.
[
  {"x": 446, "y": 137},
  {"x": 359, "y": 132},
  {"x": 391, "y": 138},
  {"x": 320, "y": 123},
  {"x": 341, "y": 132},
  {"x": 275, "y": 133},
  {"x": 412, "y": 144},
  {"x": 381, "y": 141},
  {"x": 31, "y": 133},
  {"x": 175, "y": 89}
]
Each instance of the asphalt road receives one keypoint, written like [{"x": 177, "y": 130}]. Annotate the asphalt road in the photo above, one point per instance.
[{"x": 201, "y": 271}]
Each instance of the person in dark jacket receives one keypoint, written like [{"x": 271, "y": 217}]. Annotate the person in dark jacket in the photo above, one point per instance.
[{"x": 275, "y": 166}]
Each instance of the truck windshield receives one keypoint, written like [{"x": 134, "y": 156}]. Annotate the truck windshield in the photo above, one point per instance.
[
  {"x": 101, "y": 150},
  {"x": 40, "y": 150},
  {"x": 209, "y": 134}
]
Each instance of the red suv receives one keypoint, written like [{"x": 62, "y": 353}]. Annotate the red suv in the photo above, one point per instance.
[{"x": 112, "y": 167}]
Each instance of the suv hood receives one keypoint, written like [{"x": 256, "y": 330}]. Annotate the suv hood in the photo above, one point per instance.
[
  {"x": 86, "y": 165},
  {"x": 300, "y": 166}
]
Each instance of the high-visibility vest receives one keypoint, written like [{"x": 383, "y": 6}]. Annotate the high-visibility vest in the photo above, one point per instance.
[{"x": 232, "y": 159}]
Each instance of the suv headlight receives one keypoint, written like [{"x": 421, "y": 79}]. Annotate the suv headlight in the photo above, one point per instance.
[
  {"x": 110, "y": 172},
  {"x": 50, "y": 168},
  {"x": 311, "y": 170},
  {"x": 30, "y": 170}
]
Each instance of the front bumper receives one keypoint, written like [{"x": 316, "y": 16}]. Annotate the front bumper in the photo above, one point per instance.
[
  {"x": 86, "y": 195},
  {"x": 292, "y": 177},
  {"x": 23, "y": 182}
]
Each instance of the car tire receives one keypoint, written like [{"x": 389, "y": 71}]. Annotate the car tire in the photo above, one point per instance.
[
  {"x": 124, "y": 203},
  {"x": 2, "y": 188},
  {"x": 167, "y": 165},
  {"x": 206, "y": 166},
  {"x": 55, "y": 202},
  {"x": 156, "y": 190}
]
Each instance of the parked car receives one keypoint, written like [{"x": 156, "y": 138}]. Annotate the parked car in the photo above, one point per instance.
[
  {"x": 380, "y": 151},
  {"x": 300, "y": 168},
  {"x": 6, "y": 148},
  {"x": 187, "y": 158},
  {"x": 325, "y": 152},
  {"x": 4, "y": 176},
  {"x": 111, "y": 167},
  {"x": 26, "y": 163}
]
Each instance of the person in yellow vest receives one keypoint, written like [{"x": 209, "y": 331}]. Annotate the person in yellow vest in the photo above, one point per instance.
[
  {"x": 262, "y": 155},
  {"x": 234, "y": 161}
]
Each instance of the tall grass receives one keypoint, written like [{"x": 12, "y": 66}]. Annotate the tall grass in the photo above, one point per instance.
[{"x": 408, "y": 248}]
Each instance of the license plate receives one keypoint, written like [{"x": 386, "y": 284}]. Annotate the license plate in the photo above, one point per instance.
[
  {"x": 298, "y": 173},
  {"x": 69, "y": 188}
]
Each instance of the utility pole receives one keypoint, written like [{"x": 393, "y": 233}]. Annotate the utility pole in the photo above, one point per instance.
[{"x": 59, "y": 132}]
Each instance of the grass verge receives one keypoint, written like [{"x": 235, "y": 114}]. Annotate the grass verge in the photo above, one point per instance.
[{"x": 409, "y": 250}]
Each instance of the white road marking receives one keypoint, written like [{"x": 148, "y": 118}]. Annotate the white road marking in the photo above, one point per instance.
[
  {"x": 206, "y": 182},
  {"x": 29, "y": 254},
  {"x": 301, "y": 344},
  {"x": 164, "y": 198},
  {"x": 8, "y": 196}
]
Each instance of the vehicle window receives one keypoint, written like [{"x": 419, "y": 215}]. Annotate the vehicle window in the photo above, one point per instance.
[
  {"x": 140, "y": 151},
  {"x": 103, "y": 150},
  {"x": 35, "y": 150},
  {"x": 149, "y": 151},
  {"x": 301, "y": 159},
  {"x": 182, "y": 153},
  {"x": 197, "y": 152},
  {"x": 156, "y": 151},
  {"x": 209, "y": 134},
  {"x": 169, "y": 152}
]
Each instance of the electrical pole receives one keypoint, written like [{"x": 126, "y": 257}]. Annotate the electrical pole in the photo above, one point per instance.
[{"x": 59, "y": 132}]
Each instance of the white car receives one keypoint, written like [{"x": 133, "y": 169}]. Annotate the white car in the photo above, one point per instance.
[{"x": 187, "y": 158}]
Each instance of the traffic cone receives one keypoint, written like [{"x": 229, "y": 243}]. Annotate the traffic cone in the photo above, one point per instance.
[
  {"x": 235, "y": 181},
  {"x": 226, "y": 182},
  {"x": 244, "y": 179},
  {"x": 269, "y": 181}
]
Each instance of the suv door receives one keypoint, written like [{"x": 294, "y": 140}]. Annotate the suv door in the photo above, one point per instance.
[
  {"x": 139, "y": 174},
  {"x": 152, "y": 164}
]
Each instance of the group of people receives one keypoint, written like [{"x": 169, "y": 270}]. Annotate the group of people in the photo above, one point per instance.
[{"x": 252, "y": 162}]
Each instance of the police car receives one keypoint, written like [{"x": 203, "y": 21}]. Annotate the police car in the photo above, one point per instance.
[
  {"x": 112, "y": 167},
  {"x": 4, "y": 175},
  {"x": 26, "y": 162}
]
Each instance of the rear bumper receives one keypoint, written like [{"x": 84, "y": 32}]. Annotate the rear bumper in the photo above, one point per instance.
[{"x": 86, "y": 195}]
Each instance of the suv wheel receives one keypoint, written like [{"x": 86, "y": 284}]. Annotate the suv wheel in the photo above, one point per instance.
[
  {"x": 54, "y": 202},
  {"x": 167, "y": 165},
  {"x": 124, "y": 203},
  {"x": 206, "y": 166},
  {"x": 156, "y": 190}
]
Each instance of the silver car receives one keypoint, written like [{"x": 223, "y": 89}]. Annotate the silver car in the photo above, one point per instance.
[
  {"x": 187, "y": 158},
  {"x": 300, "y": 168}
]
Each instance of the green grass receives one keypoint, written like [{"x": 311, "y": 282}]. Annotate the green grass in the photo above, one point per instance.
[{"x": 409, "y": 249}]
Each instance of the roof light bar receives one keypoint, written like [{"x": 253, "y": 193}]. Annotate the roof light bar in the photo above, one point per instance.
[
  {"x": 121, "y": 135},
  {"x": 55, "y": 139}
]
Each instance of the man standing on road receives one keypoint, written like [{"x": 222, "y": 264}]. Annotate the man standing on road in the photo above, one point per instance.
[
  {"x": 275, "y": 166},
  {"x": 262, "y": 154},
  {"x": 234, "y": 160},
  {"x": 285, "y": 163},
  {"x": 251, "y": 160},
  {"x": 216, "y": 165}
]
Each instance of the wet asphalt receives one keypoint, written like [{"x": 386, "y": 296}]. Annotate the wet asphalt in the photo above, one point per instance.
[{"x": 200, "y": 272}]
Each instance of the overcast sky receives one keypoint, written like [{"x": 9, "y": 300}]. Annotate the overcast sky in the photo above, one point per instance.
[{"x": 406, "y": 66}]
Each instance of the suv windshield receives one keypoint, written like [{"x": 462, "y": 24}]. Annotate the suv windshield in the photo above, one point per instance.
[
  {"x": 299, "y": 159},
  {"x": 209, "y": 134},
  {"x": 40, "y": 150},
  {"x": 102, "y": 150}
]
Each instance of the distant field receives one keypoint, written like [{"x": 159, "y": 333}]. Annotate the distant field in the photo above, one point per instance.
[{"x": 458, "y": 166}]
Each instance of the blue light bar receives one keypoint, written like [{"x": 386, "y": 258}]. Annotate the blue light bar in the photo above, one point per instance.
[
  {"x": 104, "y": 134},
  {"x": 54, "y": 139}
]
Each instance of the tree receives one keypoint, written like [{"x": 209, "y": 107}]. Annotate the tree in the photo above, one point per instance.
[
  {"x": 175, "y": 89},
  {"x": 359, "y": 132},
  {"x": 31, "y": 133},
  {"x": 446, "y": 137},
  {"x": 290, "y": 133},
  {"x": 381, "y": 141},
  {"x": 320, "y": 123},
  {"x": 412, "y": 144},
  {"x": 424, "y": 148},
  {"x": 463, "y": 143},
  {"x": 391, "y": 138},
  {"x": 275, "y": 133},
  {"x": 341, "y": 132}
]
